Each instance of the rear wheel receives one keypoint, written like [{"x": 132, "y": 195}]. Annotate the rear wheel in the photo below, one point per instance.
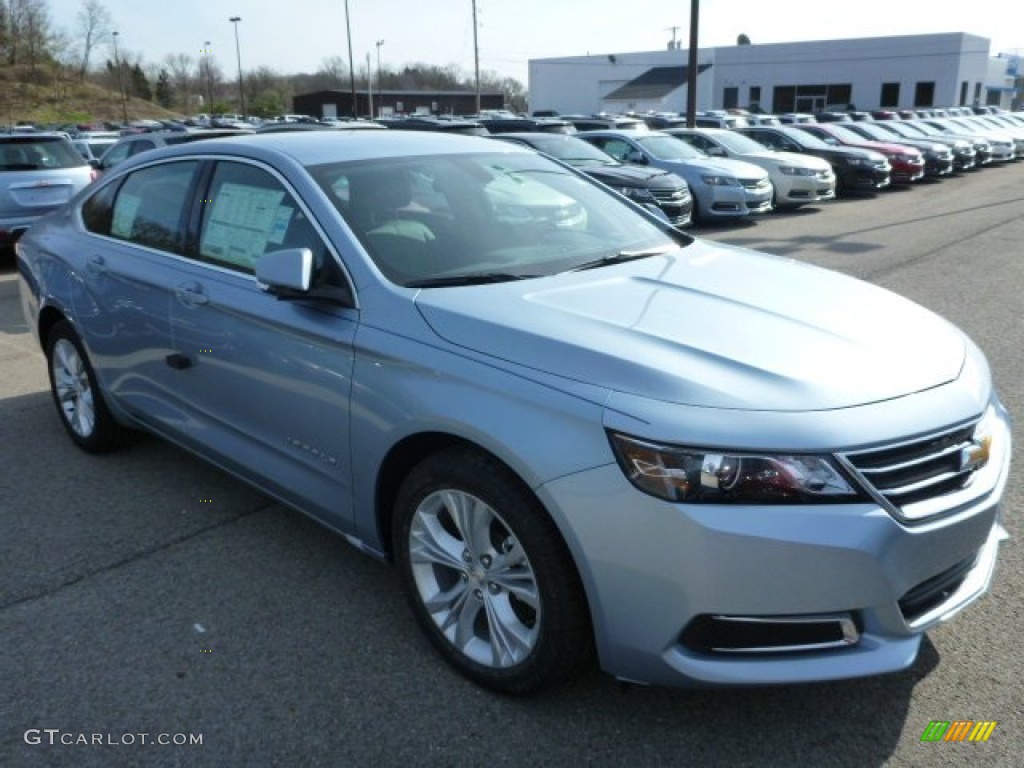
[
  {"x": 79, "y": 402},
  {"x": 488, "y": 576}
]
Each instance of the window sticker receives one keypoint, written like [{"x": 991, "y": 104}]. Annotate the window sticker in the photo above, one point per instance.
[
  {"x": 124, "y": 215},
  {"x": 280, "y": 224},
  {"x": 240, "y": 223}
]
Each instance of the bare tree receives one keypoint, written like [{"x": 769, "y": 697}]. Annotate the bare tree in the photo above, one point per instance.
[
  {"x": 94, "y": 26},
  {"x": 334, "y": 71}
]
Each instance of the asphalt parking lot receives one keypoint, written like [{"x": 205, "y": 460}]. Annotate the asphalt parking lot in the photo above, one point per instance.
[{"x": 146, "y": 593}]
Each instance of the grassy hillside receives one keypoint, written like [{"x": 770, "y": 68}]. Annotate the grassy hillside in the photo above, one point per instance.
[{"x": 44, "y": 97}]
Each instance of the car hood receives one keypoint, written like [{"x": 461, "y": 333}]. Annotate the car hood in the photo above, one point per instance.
[
  {"x": 711, "y": 326},
  {"x": 631, "y": 175},
  {"x": 794, "y": 159},
  {"x": 737, "y": 168}
]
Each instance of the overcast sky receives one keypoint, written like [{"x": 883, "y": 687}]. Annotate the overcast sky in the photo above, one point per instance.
[{"x": 293, "y": 36}]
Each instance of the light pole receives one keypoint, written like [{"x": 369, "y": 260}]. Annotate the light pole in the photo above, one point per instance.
[
  {"x": 120, "y": 82},
  {"x": 351, "y": 63},
  {"x": 238, "y": 54},
  {"x": 209, "y": 80},
  {"x": 380, "y": 88}
]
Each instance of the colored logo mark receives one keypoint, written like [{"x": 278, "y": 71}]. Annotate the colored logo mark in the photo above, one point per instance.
[{"x": 959, "y": 730}]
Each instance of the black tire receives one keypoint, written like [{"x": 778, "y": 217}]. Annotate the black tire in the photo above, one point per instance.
[
  {"x": 475, "y": 618},
  {"x": 80, "y": 404}
]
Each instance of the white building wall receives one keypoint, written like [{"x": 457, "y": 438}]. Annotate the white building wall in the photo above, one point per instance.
[{"x": 578, "y": 84}]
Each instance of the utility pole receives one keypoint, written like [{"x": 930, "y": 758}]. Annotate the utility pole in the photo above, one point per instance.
[
  {"x": 691, "y": 69},
  {"x": 120, "y": 82},
  {"x": 369, "y": 83},
  {"x": 380, "y": 88},
  {"x": 209, "y": 80},
  {"x": 351, "y": 64},
  {"x": 476, "y": 60}
]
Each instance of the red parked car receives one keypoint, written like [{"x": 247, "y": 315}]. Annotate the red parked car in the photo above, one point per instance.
[{"x": 907, "y": 163}]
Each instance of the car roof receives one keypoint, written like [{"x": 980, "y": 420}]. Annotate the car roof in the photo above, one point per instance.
[{"x": 314, "y": 147}]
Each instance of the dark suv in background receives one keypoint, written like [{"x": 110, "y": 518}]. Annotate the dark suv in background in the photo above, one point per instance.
[{"x": 643, "y": 185}]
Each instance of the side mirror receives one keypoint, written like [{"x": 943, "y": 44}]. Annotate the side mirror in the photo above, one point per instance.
[
  {"x": 715, "y": 151},
  {"x": 286, "y": 273},
  {"x": 636, "y": 157}
]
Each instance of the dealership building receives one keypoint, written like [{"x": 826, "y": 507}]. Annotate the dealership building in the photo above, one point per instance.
[{"x": 867, "y": 73}]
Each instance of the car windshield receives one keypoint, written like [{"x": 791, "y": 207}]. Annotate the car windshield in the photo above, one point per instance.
[
  {"x": 38, "y": 153},
  {"x": 669, "y": 148},
  {"x": 844, "y": 135},
  {"x": 571, "y": 150},
  {"x": 873, "y": 131},
  {"x": 737, "y": 142},
  {"x": 455, "y": 219}
]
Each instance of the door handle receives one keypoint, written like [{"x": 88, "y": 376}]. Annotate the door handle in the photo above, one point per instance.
[
  {"x": 96, "y": 265},
  {"x": 191, "y": 295}
]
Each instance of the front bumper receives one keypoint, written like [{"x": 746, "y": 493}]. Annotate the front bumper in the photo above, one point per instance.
[{"x": 795, "y": 593}]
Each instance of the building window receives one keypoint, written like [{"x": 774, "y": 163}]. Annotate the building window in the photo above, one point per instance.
[
  {"x": 730, "y": 97},
  {"x": 963, "y": 93},
  {"x": 924, "y": 94},
  {"x": 890, "y": 95},
  {"x": 754, "y": 100},
  {"x": 977, "y": 93}
]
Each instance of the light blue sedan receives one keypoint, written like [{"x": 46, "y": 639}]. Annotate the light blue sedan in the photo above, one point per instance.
[{"x": 577, "y": 431}]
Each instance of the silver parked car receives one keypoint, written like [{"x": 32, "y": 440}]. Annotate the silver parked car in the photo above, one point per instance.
[
  {"x": 39, "y": 172},
  {"x": 572, "y": 427},
  {"x": 722, "y": 189}
]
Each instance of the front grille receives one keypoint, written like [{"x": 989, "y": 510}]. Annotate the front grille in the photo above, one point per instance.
[
  {"x": 934, "y": 591},
  {"x": 754, "y": 183},
  {"x": 673, "y": 196},
  {"x": 917, "y": 471}
]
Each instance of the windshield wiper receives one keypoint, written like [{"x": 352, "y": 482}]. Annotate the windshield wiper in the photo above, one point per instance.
[
  {"x": 622, "y": 256},
  {"x": 475, "y": 278}
]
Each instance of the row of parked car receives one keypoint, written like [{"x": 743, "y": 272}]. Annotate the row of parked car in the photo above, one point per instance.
[{"x": 701, "y": 174}]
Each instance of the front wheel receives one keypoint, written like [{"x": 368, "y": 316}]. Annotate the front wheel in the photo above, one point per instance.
[
  {"x": 488, "y": 575},
  {"x": 76, "y": 394}
]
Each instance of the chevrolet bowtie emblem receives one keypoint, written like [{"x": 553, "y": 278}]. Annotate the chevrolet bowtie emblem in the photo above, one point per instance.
[{"x": 975, "y": 456}]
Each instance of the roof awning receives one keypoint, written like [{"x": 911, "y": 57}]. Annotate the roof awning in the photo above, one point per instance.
[{"x": 655, "y": 83}]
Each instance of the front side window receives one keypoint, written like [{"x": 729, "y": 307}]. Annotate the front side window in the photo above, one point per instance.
[
  {"x": 247, "y": 213},
  {"x": 150, "y": 206}
]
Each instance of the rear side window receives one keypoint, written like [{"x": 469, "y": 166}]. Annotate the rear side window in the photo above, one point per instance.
[
  {"x": 38, "y": 153},
  {"x": 150, "y": 203}
]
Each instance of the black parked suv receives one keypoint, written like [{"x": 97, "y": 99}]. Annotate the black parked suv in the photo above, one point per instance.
[
  {"x": 857, "y": 170},
  {"x": 524, "y": 124},
  {"x": 646, "y": 186}
]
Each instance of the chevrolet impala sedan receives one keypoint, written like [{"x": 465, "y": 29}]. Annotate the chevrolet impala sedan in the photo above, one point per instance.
[{"x": 580, "y": 434}]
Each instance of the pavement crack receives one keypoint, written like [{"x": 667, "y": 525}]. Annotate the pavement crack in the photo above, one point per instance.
[{"x": 135, "y": 557}]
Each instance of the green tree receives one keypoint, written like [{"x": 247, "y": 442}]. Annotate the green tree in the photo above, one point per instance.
[
  {"x": 164, "y": 91},
  {"x": 140, "y": 87}
]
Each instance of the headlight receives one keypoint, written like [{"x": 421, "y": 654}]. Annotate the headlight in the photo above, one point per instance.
[
  {"x": 720, "y": 181},
  {"x": 790, "y": 170},
  {"x": 697, "y": 476},
  {"x": 637, "y": 193}
]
